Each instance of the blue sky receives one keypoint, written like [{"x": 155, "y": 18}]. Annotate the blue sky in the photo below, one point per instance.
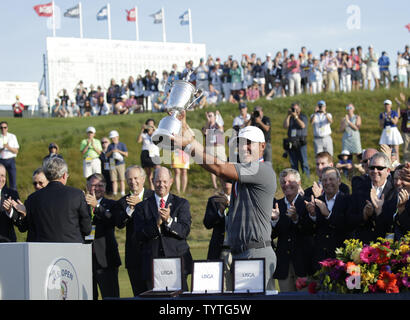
[{"x": 226, "y": 27}]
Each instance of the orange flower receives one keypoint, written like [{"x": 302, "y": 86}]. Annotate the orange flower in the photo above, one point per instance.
[
  {"x": 352, "y": 268},
  {"x": 387, "y": 282},
  {"x": 383, "y": 256}
]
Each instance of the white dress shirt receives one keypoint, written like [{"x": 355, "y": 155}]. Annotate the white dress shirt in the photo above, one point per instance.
[{"x": 141, "y": 197}]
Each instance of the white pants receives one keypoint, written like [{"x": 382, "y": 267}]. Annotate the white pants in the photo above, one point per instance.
[
  {"x": 90, "y": 167},
  {"x": 316, "y": 86},
  {"x": 294, "y": 83},
  {"x": 346, "y": 82}
]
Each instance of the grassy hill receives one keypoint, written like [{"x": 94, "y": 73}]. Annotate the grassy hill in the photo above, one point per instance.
[{"x": 34, "y": 136}]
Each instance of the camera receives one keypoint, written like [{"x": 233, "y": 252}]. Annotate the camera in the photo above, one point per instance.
[
  {"x": 320, "y": 108},
  {"x": 293, "y": 109},
  {"x": 256, "y": 114}
]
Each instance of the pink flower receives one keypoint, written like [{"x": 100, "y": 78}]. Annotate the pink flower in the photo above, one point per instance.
[
  {"x": 301, "y": 283},
  {"x": 329, "y": 262},
  {"x": 369, "y": 255}
]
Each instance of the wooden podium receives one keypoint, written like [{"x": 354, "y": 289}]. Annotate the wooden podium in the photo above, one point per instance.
[{"x": 45, "y": 271}]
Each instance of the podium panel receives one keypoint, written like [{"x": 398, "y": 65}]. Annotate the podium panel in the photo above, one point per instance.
[{"x": 45, "y": 271}]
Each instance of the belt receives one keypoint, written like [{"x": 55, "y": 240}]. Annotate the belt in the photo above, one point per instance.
[{"x": 251, "y": 245}]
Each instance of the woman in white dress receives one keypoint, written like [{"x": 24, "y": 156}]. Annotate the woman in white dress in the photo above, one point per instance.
[{"x": 388, "y": 121}]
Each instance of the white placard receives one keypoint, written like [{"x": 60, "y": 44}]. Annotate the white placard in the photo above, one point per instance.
[
  {"x": 167, "y": 274},
  {"x": 207, "y": 277},
  {"x": 249, "y": 276},
  {"x": 27, "y": 91},
  {"x": 97, "y": 61}
]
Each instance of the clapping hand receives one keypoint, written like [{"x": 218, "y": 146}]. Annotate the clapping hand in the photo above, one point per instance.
[
  {"x": 132, "y": 200},
  {"x": 91, "y": 199},
  {"x": 311, "y": 206},
  {"x": 19, "y": 206},
  {"x": 403, "y": 197},
  {"x": 368, "y": 210},
  {"x": 317, "y": 189},
  {"x": 291, "y": 213},
  {"x": 164, "y": 214},
  {"x": 275, "y": 212},
  {"x": 376, "y": 202},
  {"x": 8, "y": 204}
]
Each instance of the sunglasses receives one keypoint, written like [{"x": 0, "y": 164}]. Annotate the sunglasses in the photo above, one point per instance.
[
  {"x": 104, "y": 142},
  {"x": 364, "y": 161},
  {"x": 4, "y": 127},
  {"x": 379, "y": 168}
]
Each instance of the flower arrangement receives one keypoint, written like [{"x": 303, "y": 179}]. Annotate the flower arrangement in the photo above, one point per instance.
[{"x": 381, "y": 267}]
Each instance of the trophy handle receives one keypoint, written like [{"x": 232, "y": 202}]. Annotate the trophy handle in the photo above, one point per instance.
[{"x": 202, "y": 93}]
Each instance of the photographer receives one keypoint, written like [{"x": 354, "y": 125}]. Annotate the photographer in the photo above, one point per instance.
[
  {"x": 263, "y": 123},
  {"x": 295, "y": 145},
  {"x": 321, "y": 121}
]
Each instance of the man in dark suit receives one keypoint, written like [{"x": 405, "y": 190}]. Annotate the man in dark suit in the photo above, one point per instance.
[
  {"x": 362, "y": 182},
  {"x": 105, "y": 255},
  {"x": 327, "y": 218},
  {"x": 8, "y": 216},
  {"x": 57, "y": 213},
  {"x": 372, "y": 209},
  {"x": 215, "y": 213},
  {"x": 293, "y": 247},
  {"x": 323, "y": 160},
  {"x": 124, "y": 212},
  {"x": 401, "y": 218},
  {"x": 161, "y": 225}
]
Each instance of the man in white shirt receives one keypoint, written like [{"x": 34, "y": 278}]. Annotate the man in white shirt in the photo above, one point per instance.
[
  {"x": 124, "y": 211},
  {"x": 321, "y": 121},
  {"x": 9, "y": 149},
  {"x": 161, "y": 225},
  {"x": 374, "y": 203},
  {"x": 327, "y": 217}
]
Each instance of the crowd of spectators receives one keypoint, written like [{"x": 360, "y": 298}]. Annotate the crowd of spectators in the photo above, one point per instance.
[{"x": 248, "y": 79}]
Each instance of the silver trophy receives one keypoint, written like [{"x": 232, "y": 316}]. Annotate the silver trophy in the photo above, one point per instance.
[{"x": 180, "y": 99}]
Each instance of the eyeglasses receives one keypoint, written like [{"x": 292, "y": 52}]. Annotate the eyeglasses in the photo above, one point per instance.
[
  {"x": 364, "y": 161},
  {"x": 104, "y": 142},
  {"x": 379, "y": 168},
  {"x": 4, "y": 127}
]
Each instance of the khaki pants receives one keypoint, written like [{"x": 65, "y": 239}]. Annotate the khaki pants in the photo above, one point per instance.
[{"x": 332, "y": 76}]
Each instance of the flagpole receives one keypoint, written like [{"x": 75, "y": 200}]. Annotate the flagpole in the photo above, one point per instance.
[
  {"x": 164, "y": 37},
  {"x": 80, "y": 8},
  {"x": 136, "y": 24},
  {"x": 54, "y": 20},
  {"x": 109, "y": 20},
  {"x": 190, "y": 25}
]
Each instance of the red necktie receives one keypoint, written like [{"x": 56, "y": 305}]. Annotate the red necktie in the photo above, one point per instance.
[{"x": 162, "y": 203}]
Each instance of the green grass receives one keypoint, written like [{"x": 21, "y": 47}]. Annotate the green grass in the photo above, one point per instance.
[{"x": 34, "y": 136}]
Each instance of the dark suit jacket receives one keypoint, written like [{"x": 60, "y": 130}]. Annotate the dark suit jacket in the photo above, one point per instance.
[
  {"x": 105, "y": 246},
  {"x": 172, "y": 241},
  {"x": 328, "y": 234},
  {"x": 375, "y": 226},
  {"x": 212, "y": 220},
  {"x": 7, "y": 233},
  {"x": 402, "y": 222},
  {"x": 57, "y": 213},
  {"x": 132, "y": 258},
  {"x": 343, "y": 188},
  {"x": 293, "y": 245}
]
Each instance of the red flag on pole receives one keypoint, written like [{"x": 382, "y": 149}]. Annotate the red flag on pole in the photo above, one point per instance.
[
  {"x": 408, "y": 27},
  {"x": 131, "y": 15},
  {"x": 44, "y": 10}
]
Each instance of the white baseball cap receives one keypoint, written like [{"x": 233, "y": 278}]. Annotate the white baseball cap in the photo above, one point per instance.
[
  {"x": 90, "y": 129},
  {"x": 252, "y": 133},
  {"x": 113, "y": 134},
  {"x": 387, "y": 102}
]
